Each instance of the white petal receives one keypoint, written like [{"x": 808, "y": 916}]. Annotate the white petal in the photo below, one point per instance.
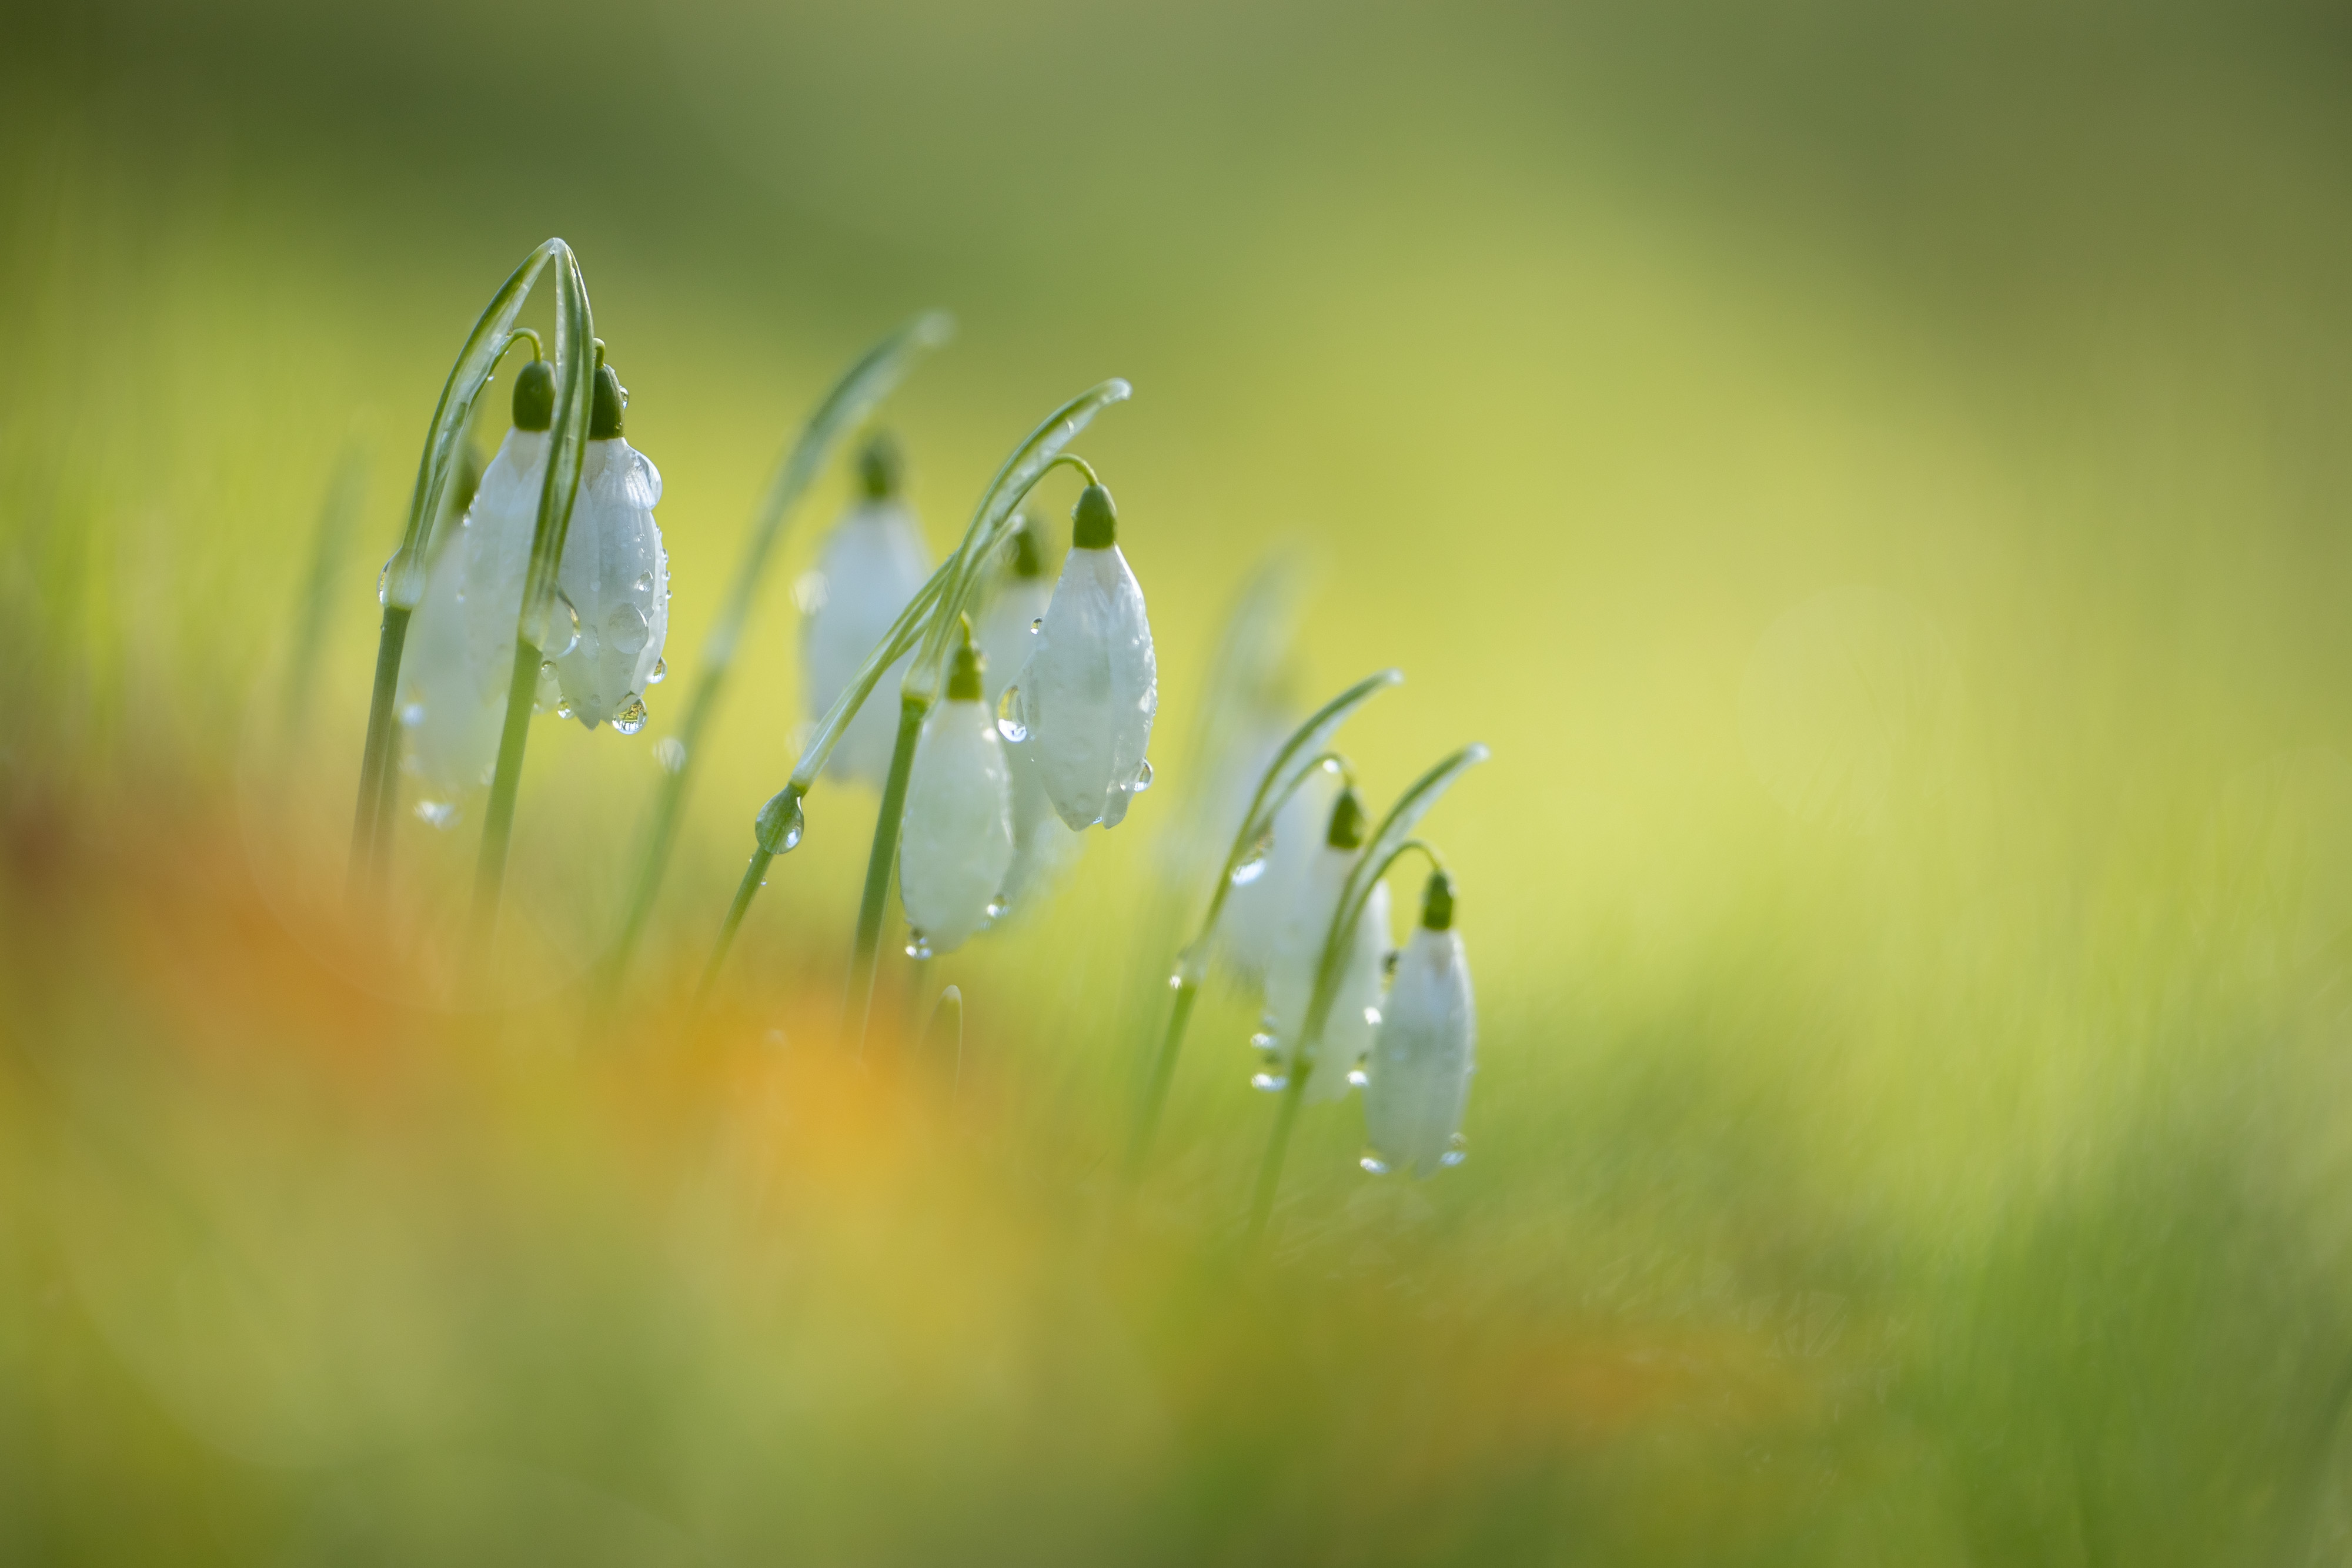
[
  {"x": 1004, "y": 630},
  {"x": 616, "y": 576},
  {"x": 874, "y": 563},
  {"x": 955, "y": 842},
  {"x": 460, "y": 656},
  {"x": 1256, "y": 910},
  {"x": 1090, "y": 689},
  {"x": 1044, "y": 847},
  {"x": 1296, "y": 951},
  {"x": 1424, "y": 1054}
]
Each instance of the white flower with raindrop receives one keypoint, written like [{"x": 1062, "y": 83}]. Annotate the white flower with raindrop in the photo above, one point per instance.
[
  {"x": 955, "y": 841},
  {"x": 1417, "y": 1078},
  {"x": 872, "y": 566}
]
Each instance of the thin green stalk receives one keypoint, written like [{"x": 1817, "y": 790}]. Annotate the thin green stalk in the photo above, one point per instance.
[
  {"x": 1392, "y": 839},
  {"x": 575, "y": 373},
  {"x": 403, "y": 578},
  {"x": 752, "y": 876},
  {"x": 879, "y": 862},
  {"x": 1300, "y": 755},
  {"x": 852, "y": 399},
  {"x": 375, "y": 756}
]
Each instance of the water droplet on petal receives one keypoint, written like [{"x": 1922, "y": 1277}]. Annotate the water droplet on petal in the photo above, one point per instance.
[
  {"x": 1144, "y": 777},
  {"x": 563, "y": 708},
  {"x": 1269, "y": 1083},
  {"x": 632, "y": 716},
  {"x": 413, "y": 715},
  {"x": 626, "y": 627},
  {"x": 1374, "y": 1163},
  {"x": 383, "y": 581},
  {"x": 1372, "y": 1017},
  {"x": 564, "y": 627},
  {"x": 670, "y": 752},
  {"x": 918, "y": 946},
  {"x": 549, "y": 691},
  {"x": 1359, "y": 1077},
  {"x": 442, "y": 814},
  {"x": 1253, "y": 865},
  {"x": 661, "y": 673},
  {"x": 1038, "y": 626},
  {"x": 645, "y": 583},
  {"x": 1457, "y": 1150},
  {"x": 1265, "y": 1040},
  {"x": 1013, "y": 716},
  {"x": 1176, "y": 981},
  {"x": 998, "y": 907}
]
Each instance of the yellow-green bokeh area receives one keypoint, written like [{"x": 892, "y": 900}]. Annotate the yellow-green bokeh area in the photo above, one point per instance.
[{"x": 1875, "y": 475}]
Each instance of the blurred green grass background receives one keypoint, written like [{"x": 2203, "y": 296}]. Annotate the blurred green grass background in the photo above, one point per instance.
[{"x": 1873, "y": 473}]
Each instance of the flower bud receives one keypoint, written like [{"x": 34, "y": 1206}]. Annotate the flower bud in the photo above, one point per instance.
[
  {"x": 615, "y": 578},
  {"x": 955, "y": 842},
  {"x": 1418, "y": 1076},
  {"x": 1091, "y": 686},
  {"x": 873, "y": 564}
]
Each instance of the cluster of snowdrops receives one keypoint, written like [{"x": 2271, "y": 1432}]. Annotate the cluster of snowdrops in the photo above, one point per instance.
[{"x": 1025, "y": 708}]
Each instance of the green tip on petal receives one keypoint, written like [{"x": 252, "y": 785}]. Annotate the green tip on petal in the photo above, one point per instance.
[
  {"x": 534, "y": 396},
  {"x": 1095, "y": 521},
  {"x": 611, "y": 400},
  {"x": 1028, "y": 562},
  {"x": 880, "y": 469},
  {"x": 1347, "y": 822},
  {"x": 1437, "y": 903},
  {"x": 964, "y": 679}
]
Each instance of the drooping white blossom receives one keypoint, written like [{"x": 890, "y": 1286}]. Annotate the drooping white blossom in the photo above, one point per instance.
[
  {"x": 615, "y": 578},
  {"x": 1091, "y": 688},
  {"x": 955, "y": 841},
  {"x": 1267, "y": 889},
  {"x": 1296, "y": 956},
  {"x": 1042, "y": 847},
  {"x": 873, "y": 564},
  {"x": 459, "y": 658},
  {"x": 1418, "y": 1075}
]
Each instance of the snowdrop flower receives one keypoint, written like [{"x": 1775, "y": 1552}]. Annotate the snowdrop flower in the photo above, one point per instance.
[
  {"x": 615, "y": 577},
  {"x": 1256, "y": 909},
  {"x": 1297, "y": 951},
  {"x": 1042, "y": 846},
  {"x": 460, "y": 653},
  {"x": 955, "y": 844},
  {"x": 1418, "y": 1079},
  {"x": 1088, "y": 692},
  {"x": 874, "y": 563}
]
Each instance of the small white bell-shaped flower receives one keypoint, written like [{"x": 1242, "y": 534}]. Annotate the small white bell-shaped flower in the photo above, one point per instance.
[
  {"x": 955, "y": 842},
  {"x": 1266, "y": 889},
  {"x": 874, "y": 563},
  {"x": 1042, "y": 846},
  {"x": 615, "y": 578},
  {"x": 460, "y": 659},
  {"x": 1091, "y": 686},
  {"x": 1418, "y": 1077},
  {"x": 1297, "y": 952}
]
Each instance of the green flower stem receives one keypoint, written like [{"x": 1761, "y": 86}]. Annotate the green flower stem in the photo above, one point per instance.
[
  {"x": 1390, "y": 840},
  {"x": 576, "y": 370},
  {"x": 1300, "y": 756},
  {"x": 866, "y": 955},
  {"x": 375, "y": 757},
  {"x": 404, "y": 573},
  {"x": 753, "y": 874},
  {"x": 498, "y": 821},
  {"x": 852, "y": 399}
]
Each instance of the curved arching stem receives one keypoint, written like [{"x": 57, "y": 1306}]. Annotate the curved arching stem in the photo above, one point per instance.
[
  {"x": 1282, "y": 778},
  {"x": 403, "y": 579},
  {"x": 575, "y": 371},
  {"x": 1390, "y": 840},
  {"x": 851, "y": 401}
]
